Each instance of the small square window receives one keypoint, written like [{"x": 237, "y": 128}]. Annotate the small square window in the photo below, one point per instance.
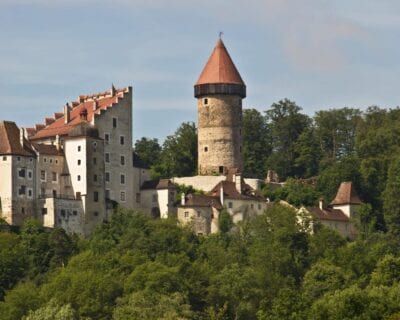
[
  {"x": 75, "y": 213},
  {"x": 230, "y": 205},
  {"x": 22, "y": 190},
  {"x": 21, "y": 173},
  {"x": 186, "y": 214},
  {"x": 18, "y": 158}
]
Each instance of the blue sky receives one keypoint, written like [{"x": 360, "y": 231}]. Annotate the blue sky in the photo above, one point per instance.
[{"x": 321, "y": 54}]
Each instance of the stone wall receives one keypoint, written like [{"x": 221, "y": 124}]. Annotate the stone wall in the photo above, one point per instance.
[{"x": 219, "y": 134}]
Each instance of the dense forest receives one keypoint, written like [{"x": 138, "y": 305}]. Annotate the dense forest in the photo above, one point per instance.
[{"x": 265, "y": 268}]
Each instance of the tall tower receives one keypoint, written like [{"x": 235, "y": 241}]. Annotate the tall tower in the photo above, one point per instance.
[{"x": 219, "y": 92}]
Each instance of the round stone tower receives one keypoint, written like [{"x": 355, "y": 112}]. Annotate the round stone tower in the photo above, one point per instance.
[{"x": 219, "y": 92}]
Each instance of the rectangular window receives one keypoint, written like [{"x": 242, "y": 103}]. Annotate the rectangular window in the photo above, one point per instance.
[
  {"x": 44, "y": 211},
  {"x": 114, "y": 122},
  {"x": 78, "y": 177},
  {"x": 21, "y": 172},
  {"x": 107, "y": 194},
  {"x": 94, "y": 161},
  {"x": 122, "y": 160},
  {"x": 137, "y": 197},
  {"x": 4, "y": 158},
  {"x": 122, "y": 179},
  {"x": 79, "y": 148},
  {"x": 230, "y": 205},
  {"x": 252, "y": 206},
  {"x": 107, "y": 157},
  {"x": 94, "y": 146},
  {"x": 96, "y": 196},
  {"x": 54, "y": 176},
  {"x": 63, "y": 212},
  {"x": 42, "y": 175},
  {"x": 75, "y": 213},
  {"x": 122, "y": 140},
  {"x": 54, "y": 193},
  {"x": 107, "y": 138},
  {"x": 18, "y": 158},
  {"x": 259, "y": 206},
  {"x": 30, "y": 193},
  {"x": 154, "y": 198},
  {"x": 186, "y": 214},
  {"x": 123, "y": 196},
  {"x": 107, "y": 177},
  {"x": 79, "y": 162},
  {"x": 22, "y": 210},
  {"x": 95, "y": 178},
  {"x": 22, "y": 190}
]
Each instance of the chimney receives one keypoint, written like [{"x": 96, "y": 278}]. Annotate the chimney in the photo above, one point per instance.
[
  {"x": 58, "y": 144},
  {"x": 67, "y": 114},
  {"x": 95, "y": 105},
  {"x": 21, "y": 136},
  {"x": 221, "y": 194},
  {"x": 321, "y": 203},
  {"x": 112, "y": 90},
  {"x": 183, "y": 200},
  {"x": 238, "y": 182}
]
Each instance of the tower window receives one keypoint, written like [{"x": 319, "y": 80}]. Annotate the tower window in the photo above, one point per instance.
[
  {"x": 114, "y": 120},
  {"x": 205, "y": 149},
  {"x": 205, "y": 101},
  {"x": 221, "y": 169}
]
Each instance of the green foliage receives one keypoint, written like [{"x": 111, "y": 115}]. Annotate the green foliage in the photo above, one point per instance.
[
  {"x": 391, "y": 200},
  {"x": 225, "y": 221},
  {"x": 52, "y": 311},
  {"x": 179, "y": 153},
  {"x": 148, "y": 150}
]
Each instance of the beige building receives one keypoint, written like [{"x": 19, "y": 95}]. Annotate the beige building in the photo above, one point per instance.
[{"x": 340, "y": 213}]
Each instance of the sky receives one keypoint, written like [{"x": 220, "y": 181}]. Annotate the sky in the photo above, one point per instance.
[{"x": 321, "y": 54}]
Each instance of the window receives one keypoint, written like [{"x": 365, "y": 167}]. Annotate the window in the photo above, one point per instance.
[
  {"x": 78, "y": 177},
  {"x": 30, "y": 174},
  {"x": 107, "y": 194},
  {"x": 137, "y": 197},
  {"x": 205, "y": 149},
  {"x": 78, "y": 196},
  {"x": 123, "y": 196},
  {"x": 96, "y": 196},
  {"x": 79, "y": 162},
  {"x": 252, "y": 206},
  {"x": 154, "y": 197},
  {"x": 63, "y": 212},
  {"x": 221, "y": 169},
  {"x": 54, "y": 176},
  {"x": 94, "y": 146},
  {"x": 75, "y": 213},
  {"x": 122, "y": 160},
  {"x": 18, "y": 158},
  {"x": 122, "y": 179},
  {"x": 21, "y": 172},
  {"x": 56, "y": 161},
  {"x": 259, "y": 206},
  {"x": 198, "y": 215},
  {"x": 107, "y": 177},
  {"x": 107, "y": 138},
  {"x": 94, "y": 161},
  {"x": 42, "y": 175},
  {"x": 44, "y": 211},
  {"x": 121, "y": 140},
  {"x": 95, "y": 178},
  {"x": 22, "y": 210},
  {"x": 79, "y": 148},
  {"x": 4, "y": 158},
  {"x": 186, "y": 214},
  {"x": 30, "y": 193},
  {"x": 95, "y": 213},
  {"x": 205, "y": 101},
  {"x": 44, "y": 159},
  {"x": 107, "y": 157},
  {"x": 22, "y": 190},
  {"x": 230, "y": 205},
  {"x": 51, "y": 160},
  {"x": 114, "y": 122},
  {"x": 54, "y": 193}
]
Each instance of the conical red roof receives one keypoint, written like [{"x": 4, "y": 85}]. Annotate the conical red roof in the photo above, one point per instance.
[
  {"x": 220, "y": 68},
  {"x": 346, "y": 195}
]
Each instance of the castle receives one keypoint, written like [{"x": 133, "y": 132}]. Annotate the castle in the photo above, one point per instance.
[{"x": 72, "y": 170}]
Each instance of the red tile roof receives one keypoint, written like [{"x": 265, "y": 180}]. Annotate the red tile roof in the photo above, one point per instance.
[
  {"x": 10, "y": 141},
  {"x": 230, "y": 191},
  {"x": 220, "y": 68},
  {"x": 346, "y": 195},
  {"x": 199, "y": 200},
  {"x": 104, "y": 100},
  {"x": 47, "y": 149},
  {"x": 328, "y": 214}
]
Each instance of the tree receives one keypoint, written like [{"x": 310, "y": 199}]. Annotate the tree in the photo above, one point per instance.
[
  {"x": 148, "y": 150},
  {"x": 256, "y": 143},
  {"x": 286, "y": 124},
  {"x": 179, "y": 153},
  {"x": 52, "y": 311},
  {"x": 308, "y": 153},
  {"x": 391, "y": 200}
]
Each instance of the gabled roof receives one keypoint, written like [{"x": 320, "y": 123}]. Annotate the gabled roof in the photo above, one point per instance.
[
  {"x": 158, "y": 184},
  {"x": 346, "y": 195},
  {"x": 220, "y": 68},
  {"x": 329, "y": 214},
  {"x": 200, "y": 200},
  {"x": 230, "y": 191},
  {"x": 89, "y": 104},
  {"x": 47, "y": 149},
  {"x": 10, "y": 143}
]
